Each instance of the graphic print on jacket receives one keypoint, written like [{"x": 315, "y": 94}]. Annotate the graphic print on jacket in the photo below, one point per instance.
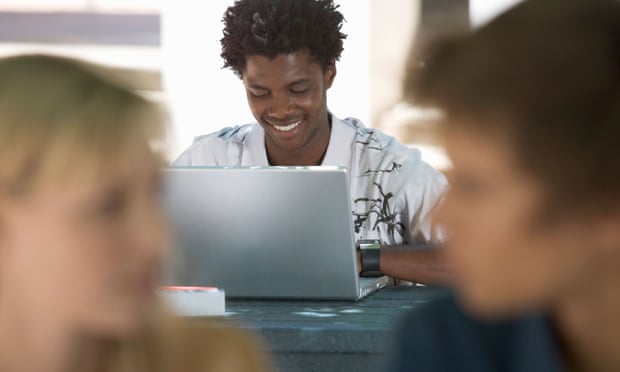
[{"x": 377, "y": 215}]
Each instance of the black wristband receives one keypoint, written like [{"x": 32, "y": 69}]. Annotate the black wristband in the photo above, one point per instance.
[{"x": 370, "y": 254}]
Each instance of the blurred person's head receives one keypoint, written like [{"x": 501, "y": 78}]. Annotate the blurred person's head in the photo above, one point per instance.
[
  {"x": 285, "y": 52},
  {"x": 532, "y": 126},
  {"x": 81, "y": 230}
]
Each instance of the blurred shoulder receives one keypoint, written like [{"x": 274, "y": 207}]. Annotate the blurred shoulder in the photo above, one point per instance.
[
  {"x": 439, "y": 336},
  {"x": 171, "y": 343},
  {"x": 217, "y": 345},
  {"x": 442, "y": 337}
]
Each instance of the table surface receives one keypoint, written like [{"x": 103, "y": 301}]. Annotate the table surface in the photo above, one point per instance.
[{"x": 303, "y": 326}]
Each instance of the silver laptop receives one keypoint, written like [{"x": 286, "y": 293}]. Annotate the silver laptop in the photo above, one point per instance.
[{"x": 265, "y": 232}]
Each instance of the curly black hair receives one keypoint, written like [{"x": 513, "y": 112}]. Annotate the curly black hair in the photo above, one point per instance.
[{"x": 272, "y": 27}]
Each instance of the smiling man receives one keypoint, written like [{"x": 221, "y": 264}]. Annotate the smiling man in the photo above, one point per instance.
[{"x": 285, "y": 52}]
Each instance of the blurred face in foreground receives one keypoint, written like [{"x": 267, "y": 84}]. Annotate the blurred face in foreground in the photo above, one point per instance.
[
  {"x": 507, "y": 257},
  {"x": 82, "y": 252}
]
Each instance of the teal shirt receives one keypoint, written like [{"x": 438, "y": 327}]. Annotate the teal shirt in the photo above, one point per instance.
[{"x": 440, "y": 337}]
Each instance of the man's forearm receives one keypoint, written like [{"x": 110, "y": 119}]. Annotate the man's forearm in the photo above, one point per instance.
[{"x": 417, "y": 265}]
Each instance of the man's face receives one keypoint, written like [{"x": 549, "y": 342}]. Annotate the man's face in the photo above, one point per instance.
[
  {"x": 505, "y": 258},
  {"x": 287, "y": 96}
]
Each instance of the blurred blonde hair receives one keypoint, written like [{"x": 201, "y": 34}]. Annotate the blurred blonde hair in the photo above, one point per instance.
[
  {"x": 61, "y": 117},
  {"x": 184, "y": 344},
  {"x": 64, "y": 118}
]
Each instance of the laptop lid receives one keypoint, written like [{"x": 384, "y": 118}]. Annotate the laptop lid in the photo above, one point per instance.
[{"x": 267, "y": 232}]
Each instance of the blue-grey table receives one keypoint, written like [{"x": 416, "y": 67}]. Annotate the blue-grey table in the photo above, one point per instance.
[{"x": 330, "y": 336}]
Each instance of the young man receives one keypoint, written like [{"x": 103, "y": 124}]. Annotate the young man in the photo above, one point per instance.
[
  {"x": 285, "y": 53},
  {"x": 532, "y": 103}
]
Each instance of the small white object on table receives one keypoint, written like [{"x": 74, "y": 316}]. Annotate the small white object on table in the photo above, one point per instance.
[{"x": 195, "y": 301}]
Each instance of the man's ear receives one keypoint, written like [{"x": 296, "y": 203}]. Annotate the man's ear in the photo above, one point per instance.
[{"x": 330, "y": 75}]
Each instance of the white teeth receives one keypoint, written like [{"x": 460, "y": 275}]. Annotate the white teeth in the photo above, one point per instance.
[{"x": 286, "y": 128}]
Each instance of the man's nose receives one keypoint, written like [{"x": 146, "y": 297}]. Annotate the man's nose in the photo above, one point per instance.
[{"x": 281, "y": 107}]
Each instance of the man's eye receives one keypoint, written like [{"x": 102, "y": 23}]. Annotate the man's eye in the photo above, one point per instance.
[
  {"x": 299, "y": 90},
  {"x": 259, "y": 94}
]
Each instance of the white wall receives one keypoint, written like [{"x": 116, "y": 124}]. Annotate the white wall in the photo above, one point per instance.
[
  {"x": 393, "y": 26},
  {"x": 482, "y": 11},
  {"x": 203, "y": 97},
  {"x": 113, "y": 6}
]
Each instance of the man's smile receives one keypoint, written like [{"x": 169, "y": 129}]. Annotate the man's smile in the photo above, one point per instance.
[{"x": 285, "y": 126}]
